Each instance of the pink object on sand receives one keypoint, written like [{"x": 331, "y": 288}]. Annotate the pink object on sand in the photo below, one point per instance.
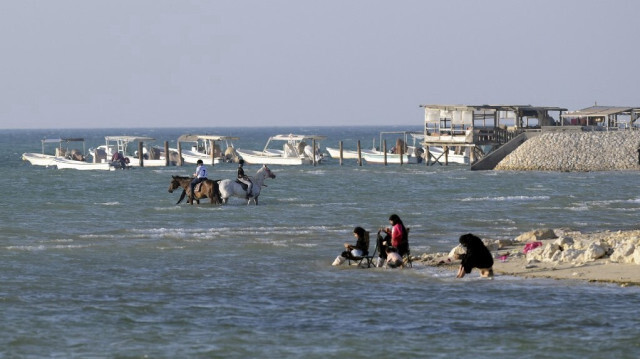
[{"x": 531, "y": 246}]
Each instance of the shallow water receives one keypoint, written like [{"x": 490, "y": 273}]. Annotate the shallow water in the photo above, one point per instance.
[{"x": 104, "y": 264}]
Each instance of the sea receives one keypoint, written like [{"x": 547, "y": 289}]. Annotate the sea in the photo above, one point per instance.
[{"x": 99, "y": 264}]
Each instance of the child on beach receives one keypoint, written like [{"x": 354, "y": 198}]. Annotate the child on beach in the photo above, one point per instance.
[
  {"x": 394, "y": 260},
  {"x": 477, "y": 256}
]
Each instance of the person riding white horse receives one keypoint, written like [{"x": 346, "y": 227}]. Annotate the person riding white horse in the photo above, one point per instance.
[
  {"x": 230, "y": 187},
  {"x": 244, "y": 178}
]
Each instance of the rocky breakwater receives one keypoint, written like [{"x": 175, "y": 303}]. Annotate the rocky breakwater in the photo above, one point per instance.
[
  {"x": 560, "y": 254},
  {"x": 576, "y": 151}
]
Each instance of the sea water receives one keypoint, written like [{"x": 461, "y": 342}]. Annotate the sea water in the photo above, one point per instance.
[{"x": 105, "y": 264}]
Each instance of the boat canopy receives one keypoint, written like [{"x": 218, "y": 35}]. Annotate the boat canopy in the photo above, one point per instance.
[
  {"x": 129, "y": 138},
  {"x": 196, "y": 138},
  {"x": 292, "y": 137},
  {"x": 60, "y": 140},
  {"x": 64, "y": 140}
]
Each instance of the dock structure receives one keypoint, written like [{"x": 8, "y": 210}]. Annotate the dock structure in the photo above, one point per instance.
[
  {"x": 605, "y": 117},
  {"x": 475, "y": 130}
]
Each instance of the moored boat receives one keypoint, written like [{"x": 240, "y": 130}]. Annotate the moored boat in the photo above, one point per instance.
[
  {"x": 127, "y": 146},
  {"x": 202, "y": 148},
  {"x": 63, "y": 156},
  {"x": 296, "y": 150}
]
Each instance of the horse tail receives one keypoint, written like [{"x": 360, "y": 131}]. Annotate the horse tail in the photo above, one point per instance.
[{"x": 216, "y": 191}]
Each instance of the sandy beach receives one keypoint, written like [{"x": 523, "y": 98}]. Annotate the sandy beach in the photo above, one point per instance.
[{"x": 510, "y": 259}]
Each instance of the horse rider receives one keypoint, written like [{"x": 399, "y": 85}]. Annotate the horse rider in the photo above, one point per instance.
[
  {"x": 199, "y": 176},
  {"x": 243, "y": 178}
]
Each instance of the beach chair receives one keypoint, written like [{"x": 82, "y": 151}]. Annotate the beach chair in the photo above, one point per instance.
[
  {"x": 365, "y": 258},
  {"x": 407, "y": 261}
]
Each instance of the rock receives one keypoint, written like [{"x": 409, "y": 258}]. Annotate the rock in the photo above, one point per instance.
[
  {"x": 623, "y": 253},
  {"x": 576, "y": 151},
  {"x": 594, "y": 251},
  {"x": 457, "y": 251},
  {"x": 536, "y": 235}
]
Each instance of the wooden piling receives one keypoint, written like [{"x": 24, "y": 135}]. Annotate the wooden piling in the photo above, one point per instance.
[
  {"x": 180, "y": 161},
  {"x": 313, "y": 142},
  {"x": 140, "y": 154},
  {"x": 359, "y": 154},
  {"x": 212, "y": 146},
  {"x": 167, "y": 157},
  {"x": 446, "y": 155},
  {"x": 340, "y": 146},
  {"x": 384, "y": 150}
]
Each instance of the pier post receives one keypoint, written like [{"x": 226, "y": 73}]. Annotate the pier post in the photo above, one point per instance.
[
  {"x": 140, "y": 155},
  {"x": 359, "y": 154},
  {"x": 167, "y": 156},
  {"x": 428, "y": 155},
  {"x": 384, "y": 150},
  {"x": 340, "y": 146},
  {"x": 212, "y": 145},
  {"x": 446, "y": 155},
  {"x": 180, "y": 162},
  {"x": 401, "y": 153},
  {"x": 313, "y": 142}
]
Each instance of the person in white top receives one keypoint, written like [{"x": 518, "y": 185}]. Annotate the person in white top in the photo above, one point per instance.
[{"x": 199, "y": 176}]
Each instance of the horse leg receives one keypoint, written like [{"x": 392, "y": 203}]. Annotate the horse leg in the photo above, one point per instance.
[{"x": 184, "y": 194}]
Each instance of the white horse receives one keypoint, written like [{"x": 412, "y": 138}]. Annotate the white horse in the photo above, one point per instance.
[{"x": 230, "y": 188}]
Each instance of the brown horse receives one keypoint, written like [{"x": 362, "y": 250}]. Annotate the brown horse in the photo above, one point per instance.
[{"x": 208, "y": 189}]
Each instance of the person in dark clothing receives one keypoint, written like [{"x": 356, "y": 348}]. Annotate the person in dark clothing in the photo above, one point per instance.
[
  {"x": 477, "y": 256},
  {"x": 244, "y": 178},
  {"x": 360, "y": 249}
]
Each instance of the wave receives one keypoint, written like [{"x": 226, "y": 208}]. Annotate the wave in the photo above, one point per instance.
[{"x": 505, "y": 198}]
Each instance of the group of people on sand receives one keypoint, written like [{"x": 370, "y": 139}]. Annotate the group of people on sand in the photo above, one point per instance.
[
  {"x": 394, "y": 246},
  {"x": 200, "y": 175}
]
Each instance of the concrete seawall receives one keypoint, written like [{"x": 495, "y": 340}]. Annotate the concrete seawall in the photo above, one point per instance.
[{"x": 576, "y": 151}]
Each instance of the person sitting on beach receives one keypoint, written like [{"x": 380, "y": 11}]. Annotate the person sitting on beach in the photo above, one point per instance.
[
  {"x": 394, "y": 260},
  {"x": 399, "y": 235},
  {"x": 477, "y": 256},
  {"x": 353, "y": 251}
]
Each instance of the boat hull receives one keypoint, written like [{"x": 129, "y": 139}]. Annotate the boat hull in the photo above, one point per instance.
[
  {"x": 38, "y": 159},
  {"x": 83, "y": 166},
  {"x": 270, "y": 158},
  {"x": 349, "y": 154}
]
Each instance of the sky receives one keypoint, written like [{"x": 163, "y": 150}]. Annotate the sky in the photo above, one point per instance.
[{"x": 167, "y": 63}]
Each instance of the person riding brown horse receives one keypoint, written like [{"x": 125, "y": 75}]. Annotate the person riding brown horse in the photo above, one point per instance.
[{"x": 207, "y": 189}]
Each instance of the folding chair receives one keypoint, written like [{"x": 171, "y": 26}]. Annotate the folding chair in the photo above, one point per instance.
[
  {"x": 407, "y": 261},
  {"x": 365, "y": 256}
]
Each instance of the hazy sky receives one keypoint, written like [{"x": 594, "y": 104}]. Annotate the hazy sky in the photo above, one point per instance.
[{"x": 156, "y": 63}]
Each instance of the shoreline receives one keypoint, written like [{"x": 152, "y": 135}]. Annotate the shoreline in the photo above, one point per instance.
[{"x": 611, "y": 262}]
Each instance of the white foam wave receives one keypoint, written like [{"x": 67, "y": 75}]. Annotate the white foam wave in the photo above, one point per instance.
[
  {"x": 505, "y": 198},
  {"x": 116, "y": 203}
]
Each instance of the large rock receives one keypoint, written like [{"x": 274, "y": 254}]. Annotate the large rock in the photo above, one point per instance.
[{"x": 536, "y": 235}]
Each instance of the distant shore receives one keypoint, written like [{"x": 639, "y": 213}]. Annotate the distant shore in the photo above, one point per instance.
[
  {"x": 611, "y": 257},
  {"x": 576, "y": 151}
]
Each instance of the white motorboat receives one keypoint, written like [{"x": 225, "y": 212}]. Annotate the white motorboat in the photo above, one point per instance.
[
  {"x": 63, "y": 157},
  {"x": 456, "y": 154},
  {"x": 201, "y": 149},
  {"x": 391, "y": 158},
  {"x": 127, "y": 146},
  {"x": 296, "y": 150},
  {"x": 349, "y": 154},
  {"x": 63, "y": 163}
]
